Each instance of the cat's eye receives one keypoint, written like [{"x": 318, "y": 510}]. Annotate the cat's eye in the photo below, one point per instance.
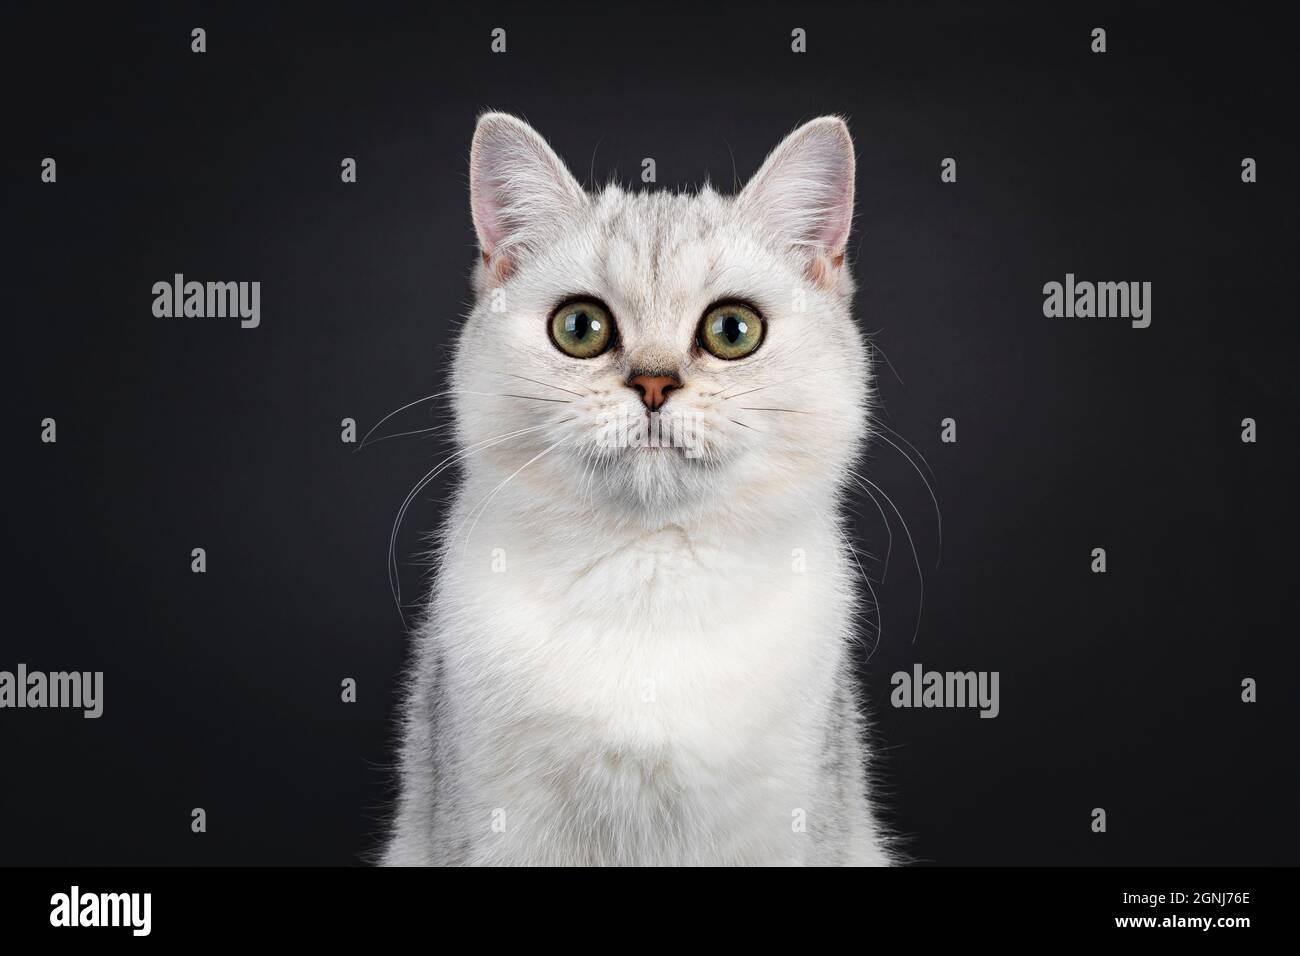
[
  {"x": 731, "y": 330},
  {"x": 582, "y": 328}
]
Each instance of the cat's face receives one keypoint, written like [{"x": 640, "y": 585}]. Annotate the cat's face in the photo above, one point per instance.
[{"x": 656, "y": 356}]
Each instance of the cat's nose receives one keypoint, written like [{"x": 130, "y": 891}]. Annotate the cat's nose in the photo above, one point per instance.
[{"x": 654, "y": 389}]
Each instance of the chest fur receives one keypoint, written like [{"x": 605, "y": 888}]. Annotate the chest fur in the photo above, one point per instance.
[
  {"x": 659, "y": 685},
  {"x": 658, "y": 639}
]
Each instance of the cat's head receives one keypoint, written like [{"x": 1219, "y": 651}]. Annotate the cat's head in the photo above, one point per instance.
[{"x": 656, "y": 356}]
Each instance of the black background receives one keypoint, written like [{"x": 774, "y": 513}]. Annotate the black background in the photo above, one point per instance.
[{"x": 1119, "y": 691}]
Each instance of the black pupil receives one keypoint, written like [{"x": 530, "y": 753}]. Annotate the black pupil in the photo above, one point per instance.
[
  {"x": 578, "y": 325},
  {"x": 733, "y": 329}
]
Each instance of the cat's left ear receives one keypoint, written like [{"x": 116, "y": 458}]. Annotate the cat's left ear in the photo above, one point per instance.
[
  {"x": 519, "y": 190},
  {"x": 803, "y": 195}
]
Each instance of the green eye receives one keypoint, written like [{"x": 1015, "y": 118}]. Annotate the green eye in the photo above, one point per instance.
[
  {"x": 731, "y": 330},
  {"x": 582, "y": 328}
]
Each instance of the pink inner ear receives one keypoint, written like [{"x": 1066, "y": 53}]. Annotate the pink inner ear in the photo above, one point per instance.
[
  {"x": 518, "y": 187},
  {"x": 486, "y": 213},
  {"x": 824, "y": 272},
  {"x": 804, "y": 191},
  {"x": 835, "y": 220},
  {"x": 498, "y": 265},
  {"x": 835, "y": 226}
]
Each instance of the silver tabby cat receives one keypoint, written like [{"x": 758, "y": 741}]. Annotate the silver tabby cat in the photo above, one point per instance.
[{"x": 638, "y": 649}]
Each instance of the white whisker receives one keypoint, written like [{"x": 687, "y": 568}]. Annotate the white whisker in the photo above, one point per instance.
[
  {"x": 915, "y": 557},
  {"x": 933, "y": 498},
  {"x": 395, "y": 412},
  {"x": 482, "y": 507},
  {"x": 394, "y": 578},
  {"x": 880, "y": 621}
]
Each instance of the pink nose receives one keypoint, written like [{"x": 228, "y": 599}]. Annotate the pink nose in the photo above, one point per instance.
[{"x": 654, "y": 389}]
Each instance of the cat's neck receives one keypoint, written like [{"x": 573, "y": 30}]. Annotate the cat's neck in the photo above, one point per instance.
[{"x": 586, "y": 523}]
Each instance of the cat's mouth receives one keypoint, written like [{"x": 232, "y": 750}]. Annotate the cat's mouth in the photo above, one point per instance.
[
  {"x": 658, "y": 450},
  {"x": 655, "y": 434}
]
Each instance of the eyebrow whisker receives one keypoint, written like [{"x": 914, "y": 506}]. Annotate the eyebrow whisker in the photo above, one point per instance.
[{"x": 525, "y": 378}]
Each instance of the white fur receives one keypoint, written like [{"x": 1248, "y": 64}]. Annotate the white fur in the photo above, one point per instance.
[{"x": 651, "y": 677}]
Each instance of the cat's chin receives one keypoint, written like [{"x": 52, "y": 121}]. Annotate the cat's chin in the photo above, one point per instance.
[
  {"x": 668, "y": 463},
  {"x": 648, "y": 482},
  {"x": 658, "y": 450}
]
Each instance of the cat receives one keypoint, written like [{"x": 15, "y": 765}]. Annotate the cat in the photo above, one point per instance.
[{"x": 641, "y": 652}]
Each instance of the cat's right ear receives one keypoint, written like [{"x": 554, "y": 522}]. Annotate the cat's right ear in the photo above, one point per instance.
[
  {"x": 518, "y": 189},
  {"x": 803, "y": 195}
]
